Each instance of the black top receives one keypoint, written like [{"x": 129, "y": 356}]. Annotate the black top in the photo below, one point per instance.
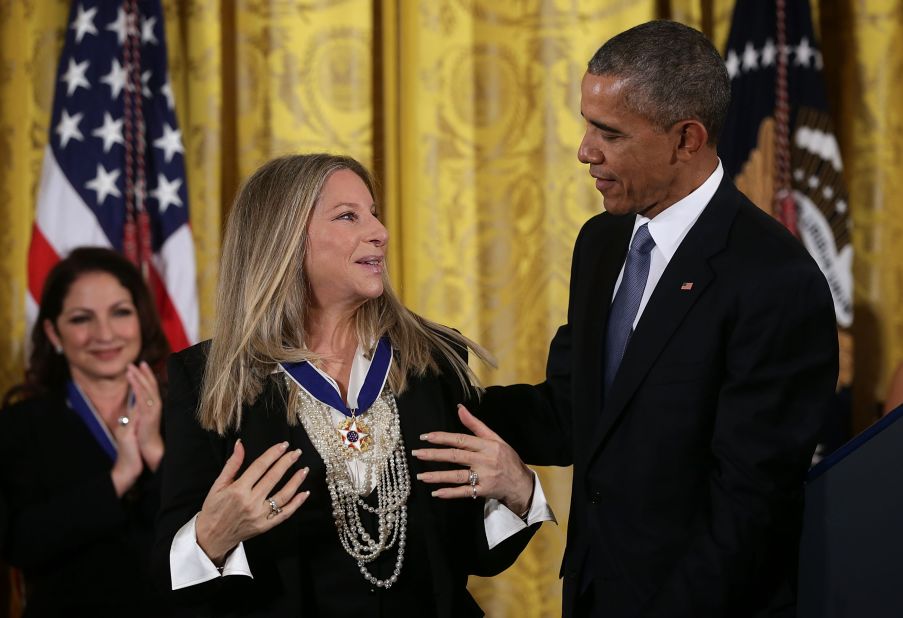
[
  {"x": 83, "y": 550},
  {"x": 299, "y": 567}
]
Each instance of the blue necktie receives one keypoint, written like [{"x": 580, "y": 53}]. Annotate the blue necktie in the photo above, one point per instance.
[{"x": 627, "y": 301}]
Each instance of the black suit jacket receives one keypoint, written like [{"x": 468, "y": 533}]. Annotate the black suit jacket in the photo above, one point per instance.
[
  {"x": 688, "y": 474},
  {"x": 83, "y": 550},
  {"x": 299, "y": 566}
]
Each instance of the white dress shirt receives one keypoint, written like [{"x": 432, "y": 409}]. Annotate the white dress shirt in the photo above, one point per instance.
[
  {"x": 668, "y": 229},
  {"x": 189, "y": 565}
]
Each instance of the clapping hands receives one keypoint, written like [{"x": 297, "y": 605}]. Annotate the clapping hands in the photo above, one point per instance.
[{"x": 137, "y": 434}]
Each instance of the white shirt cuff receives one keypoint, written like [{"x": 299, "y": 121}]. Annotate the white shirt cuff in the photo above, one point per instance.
[
  {"x": 500, "y": 522},
  {"x": 189, "y": 565}
]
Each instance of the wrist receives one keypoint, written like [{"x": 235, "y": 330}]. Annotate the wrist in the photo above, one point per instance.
[
  {"x": 523, "y": 500},
  {"x": 208, "y": 545},
  {"x": 122, "y": 479},
  {"x": 152, "y": 453}
]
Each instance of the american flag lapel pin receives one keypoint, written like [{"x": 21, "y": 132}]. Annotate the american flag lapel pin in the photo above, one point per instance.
[{"x": 686, "y": 286}]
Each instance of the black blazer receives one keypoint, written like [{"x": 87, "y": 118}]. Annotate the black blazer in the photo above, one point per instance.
[
  {"x": 83, "y": 550},
  {"x": 299, "y": 567},
  {"x": 688, "y": 475}
]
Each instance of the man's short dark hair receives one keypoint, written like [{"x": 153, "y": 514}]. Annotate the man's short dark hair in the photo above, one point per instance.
[{"x": 671, "y": 72}]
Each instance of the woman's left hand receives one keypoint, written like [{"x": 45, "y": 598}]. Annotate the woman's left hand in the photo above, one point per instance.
[
  {"x": 146, "y": 412},
  {"x": 500, "y": 473}
]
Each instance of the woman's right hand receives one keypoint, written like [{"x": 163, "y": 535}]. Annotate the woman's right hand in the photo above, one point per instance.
[{"x": 237, "y": 509}]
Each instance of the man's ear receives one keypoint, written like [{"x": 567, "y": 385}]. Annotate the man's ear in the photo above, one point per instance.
[{"x": 692, "y": 137}]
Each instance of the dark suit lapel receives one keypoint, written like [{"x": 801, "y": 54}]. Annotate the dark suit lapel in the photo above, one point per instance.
[
  {"x": 606, "y": 261},
  {"x": 670, "y": 303}
]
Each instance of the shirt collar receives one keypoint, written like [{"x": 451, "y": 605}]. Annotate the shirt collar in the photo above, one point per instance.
[{"x": 669, "y": 227}]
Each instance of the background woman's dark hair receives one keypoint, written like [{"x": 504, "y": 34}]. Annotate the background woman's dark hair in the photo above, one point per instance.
[{"x": 48, "y": 371}]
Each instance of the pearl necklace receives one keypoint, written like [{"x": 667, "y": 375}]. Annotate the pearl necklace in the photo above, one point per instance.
[{"x": 386, "y": 467}]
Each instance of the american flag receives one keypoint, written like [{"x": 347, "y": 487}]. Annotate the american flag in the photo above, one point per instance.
[{"x": 114, "y": 169}]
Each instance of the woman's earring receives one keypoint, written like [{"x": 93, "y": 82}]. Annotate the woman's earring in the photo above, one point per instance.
[{"x": 58, "y": 348}]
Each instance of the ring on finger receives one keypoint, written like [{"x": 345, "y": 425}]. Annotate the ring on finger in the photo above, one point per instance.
[
  {"x": 274, "y": 508},
  {"x": 473, "y": 478}
]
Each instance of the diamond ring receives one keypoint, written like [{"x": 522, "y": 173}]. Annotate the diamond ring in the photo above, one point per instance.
[{"x": 274, "y": 508}]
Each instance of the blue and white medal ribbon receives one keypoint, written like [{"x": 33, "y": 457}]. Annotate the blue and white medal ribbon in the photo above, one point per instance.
[
  {"x": 79, "y": 404},
  {"x": 354, "y": 432}
]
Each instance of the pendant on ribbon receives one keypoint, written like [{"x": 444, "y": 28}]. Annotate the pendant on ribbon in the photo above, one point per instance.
[{"x": 355, "y": 434}]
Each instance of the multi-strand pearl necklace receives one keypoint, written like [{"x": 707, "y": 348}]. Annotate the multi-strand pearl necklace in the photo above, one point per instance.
[{"x": 385, "y": 467}]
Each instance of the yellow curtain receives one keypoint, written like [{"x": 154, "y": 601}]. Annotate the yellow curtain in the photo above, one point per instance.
[
  {"x": 469, "y": 112},
  {"x": 31, "y": 36}
]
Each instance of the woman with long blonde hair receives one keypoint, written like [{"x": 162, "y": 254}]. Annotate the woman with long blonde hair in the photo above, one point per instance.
[{"x": 318, "y": 376}]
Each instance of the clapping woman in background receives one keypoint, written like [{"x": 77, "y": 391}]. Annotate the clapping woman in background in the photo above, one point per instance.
[{"x": 81, "y": 445}]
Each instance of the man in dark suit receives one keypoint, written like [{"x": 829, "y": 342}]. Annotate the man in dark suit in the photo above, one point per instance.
[{"x": 689, "y": 383}]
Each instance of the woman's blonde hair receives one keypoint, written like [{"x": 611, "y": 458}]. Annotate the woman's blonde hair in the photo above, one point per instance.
[{"x": 263, "y": 297}]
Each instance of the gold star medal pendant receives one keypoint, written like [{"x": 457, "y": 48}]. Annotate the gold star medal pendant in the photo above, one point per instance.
[{"x": 355, "y": 434}]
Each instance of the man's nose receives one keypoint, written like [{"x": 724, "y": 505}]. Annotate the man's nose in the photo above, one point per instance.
[{"x": 588, "y": 152}]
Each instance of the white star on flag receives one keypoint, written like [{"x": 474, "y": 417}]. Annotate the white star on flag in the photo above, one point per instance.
[
  {"x": 110, "y": 132},
  {"x": 104, "y": 184},
  {"x": 145, "y": 78},
  {"x": 167, "y": 92},
  {"x": 733, "y": 64},
  {"x": 804, "y": 53},
  {"x": 120, "y": 26},
  {"x": 167, "y": 193},
  {"x": 769, "y": 53},
  {"x": 68, "y": 128},
  {"x": 84, "y": 23},
  {"x": 115, "y": 79},
  {"x": 147, "y": 30},
  {"x": 170, "y": 143},
  {"x": 750, "y": 57},
  {"x": 75, "y": 76}
]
